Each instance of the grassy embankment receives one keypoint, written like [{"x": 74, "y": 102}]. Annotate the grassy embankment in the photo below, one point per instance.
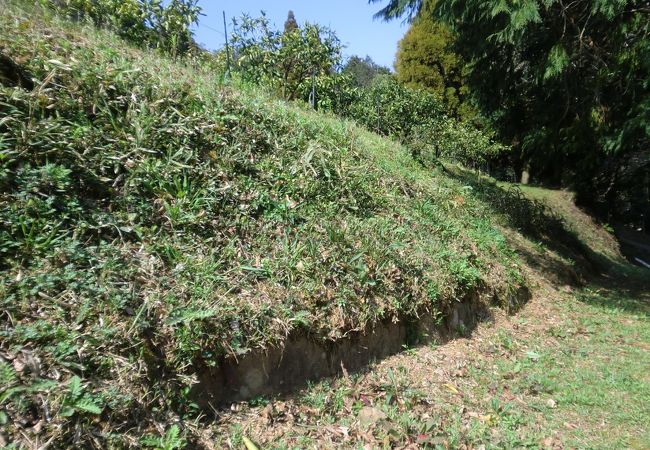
[
  {"x": 568, "y": 371},
  {"x": 154, "y": 221}
]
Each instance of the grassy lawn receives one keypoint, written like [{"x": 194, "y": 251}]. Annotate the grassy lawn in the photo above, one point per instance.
[{"x": 582, "y": 382}]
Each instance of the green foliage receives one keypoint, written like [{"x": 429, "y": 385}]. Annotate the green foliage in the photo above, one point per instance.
[
  {"x": 455, "y": 141},
  {"x": 171, "y": 440},
  {"x": 303, "y": 61},
  {"x": 152, "y": 23},
  {"x": 77, "y": 401},
  {"x": 287, "y": 61},
  {"x": 425, "y": 60},
  {"x": 418, "y": 119},
  {"x": 557, "y": 62},
  {"x": 399, "y": 8},
  {"x": 154, "y": 221},
  {"x": 566, "y": 85},
  {"x": 390, "y": 108},
  {"x": 363, "y": 70}
]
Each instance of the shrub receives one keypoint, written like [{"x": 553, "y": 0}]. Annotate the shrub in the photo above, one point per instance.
[
  {"x": 287, "y": 61},
  {"x": 455, "y": 141},
  {"x": 302, "y": 61},
  {"x": 390, "y": 108},
  {"x": 142, "y": 22}
]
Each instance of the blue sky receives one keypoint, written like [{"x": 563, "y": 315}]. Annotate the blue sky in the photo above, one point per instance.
[{"x": 352, "y": 20}]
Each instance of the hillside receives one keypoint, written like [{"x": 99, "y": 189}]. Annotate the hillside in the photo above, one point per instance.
[{"x": 157, "y": 225}]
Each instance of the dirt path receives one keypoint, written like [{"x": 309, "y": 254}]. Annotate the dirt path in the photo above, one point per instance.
[{"x": 567, "y": 371}]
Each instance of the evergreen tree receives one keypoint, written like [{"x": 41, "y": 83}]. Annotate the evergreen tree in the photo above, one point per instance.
[
  {"x": 363, "y": 70},
  {"x": 565, "y": 83},
  {"x": 425, "y": 60},
  {"x": 290, "y": 24}
]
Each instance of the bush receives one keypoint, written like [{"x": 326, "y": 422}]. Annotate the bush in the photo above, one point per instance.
[
  {"x": 287, "y": 61},
  {"x": 419, "y": 120},
  {"x": 142, "y": 22},
  {"x": 455, "y": 141},
  {"x": 390, "y": 108}
]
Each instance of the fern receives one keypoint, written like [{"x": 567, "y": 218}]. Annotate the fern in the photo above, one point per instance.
[
  {"x": 85, "y": 404},
  {"x": 75, "y": 387},
  {"x": 7, "y": 374},
  {"x": 77, "y": 401},
  {"x": 170, "y": 441}
]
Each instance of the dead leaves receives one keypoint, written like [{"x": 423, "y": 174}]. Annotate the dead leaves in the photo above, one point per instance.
[{"x": 368, "y": 417}]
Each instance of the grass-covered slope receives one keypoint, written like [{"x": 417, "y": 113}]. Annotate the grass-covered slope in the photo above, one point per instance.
[{"x": 153, "y": 220}]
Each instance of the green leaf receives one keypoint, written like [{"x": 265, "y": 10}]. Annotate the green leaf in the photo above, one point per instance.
[
  {"x": 557, "y": 60},
  {"x": 66, "y": 411},
  {"x": 171, "y": 439},
  {"x": 75, "y": 387},
  {"x": 87, "y": 405}
]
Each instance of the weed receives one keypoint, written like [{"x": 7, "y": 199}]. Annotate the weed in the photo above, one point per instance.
[{"x": 171, "y": 440}]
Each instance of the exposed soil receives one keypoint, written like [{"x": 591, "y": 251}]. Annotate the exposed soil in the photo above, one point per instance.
[
  {"x": 305, "y": 358},
  {"x": 436, "y": 384}
]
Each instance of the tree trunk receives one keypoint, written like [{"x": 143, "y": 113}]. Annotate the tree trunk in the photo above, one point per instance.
[
  {"x": 646, "y": 200},
  {"x": 525, "y": 173}
]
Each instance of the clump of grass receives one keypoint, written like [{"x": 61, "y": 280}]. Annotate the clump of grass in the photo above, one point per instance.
[{"x": 153, "y": 221}]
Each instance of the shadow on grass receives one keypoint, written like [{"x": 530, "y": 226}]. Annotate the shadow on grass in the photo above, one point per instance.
[
  {"x": 616, "y": 283},
  {"x": 626, "y": 288},
  {"x": 632, "y": 300},
  {"x": 538, "y": 222}
]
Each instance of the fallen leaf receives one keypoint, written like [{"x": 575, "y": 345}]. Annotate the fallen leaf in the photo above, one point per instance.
[
  {"x": 370, "y": 416},
  {"x": 249, "y": 444},
  {"x": 267, "y": 413},
  {"x": 451, "y": 388}
]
